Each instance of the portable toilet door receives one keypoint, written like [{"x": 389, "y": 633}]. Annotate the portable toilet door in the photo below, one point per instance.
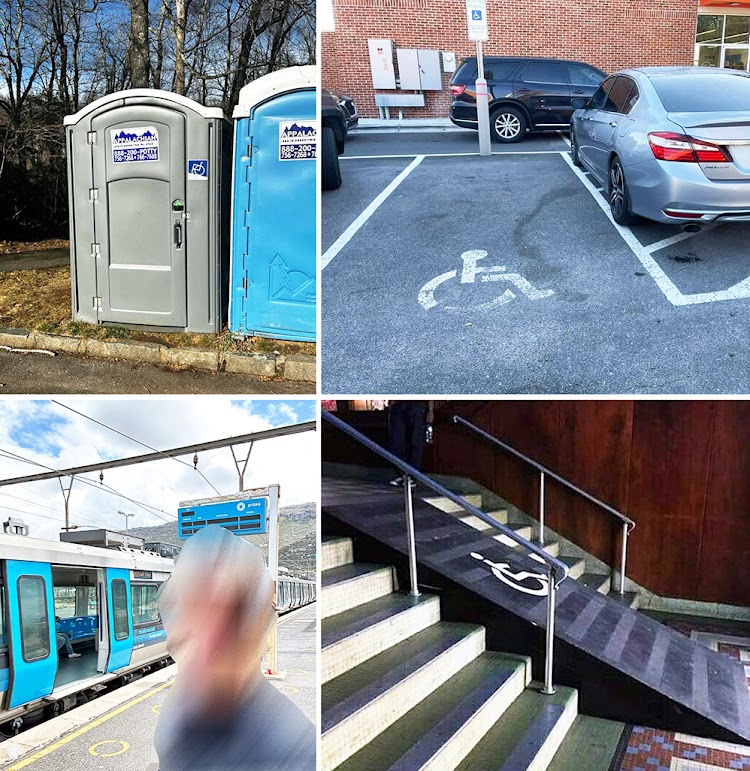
[
  {"x": 273, "y": 255},
  {"x": 146, "y": 170}
]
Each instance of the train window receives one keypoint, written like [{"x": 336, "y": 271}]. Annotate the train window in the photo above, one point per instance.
[
  {"x": 145, "y": 610},
  {"x": 120, "y": 609},
  {"x": 32, "y": 602},
  {"x": 65, "y": 601}
]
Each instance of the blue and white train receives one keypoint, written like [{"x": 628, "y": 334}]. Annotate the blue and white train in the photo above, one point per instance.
[{"x": 105, "y": 600}]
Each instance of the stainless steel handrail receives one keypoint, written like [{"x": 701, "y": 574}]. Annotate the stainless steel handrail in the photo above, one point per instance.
[
  {"x": 558, "y": 570},
  {"x": 627, "y": 523}
]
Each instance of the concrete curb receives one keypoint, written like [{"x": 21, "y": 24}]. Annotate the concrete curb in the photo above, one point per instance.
[
  {"x": 38, "y": 737},
  {"x": 405, "y": 126},
  {"x": 297, "y": 367}
]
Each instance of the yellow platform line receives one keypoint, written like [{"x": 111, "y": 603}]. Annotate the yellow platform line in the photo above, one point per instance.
[{"x": 47, "y": 750}]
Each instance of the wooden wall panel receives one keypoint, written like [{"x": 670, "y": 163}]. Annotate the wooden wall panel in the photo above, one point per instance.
[
  {"x": 668, "y": 477},
  {"x": 722, "y": 570}
]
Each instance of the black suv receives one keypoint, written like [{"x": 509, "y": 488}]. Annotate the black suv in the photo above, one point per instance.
[
  {"x": 338, "y": 114},
  {"x": 525, "y": 94}
]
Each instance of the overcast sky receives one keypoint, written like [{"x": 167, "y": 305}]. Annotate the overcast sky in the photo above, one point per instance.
[{"x": 49, "y": 434}]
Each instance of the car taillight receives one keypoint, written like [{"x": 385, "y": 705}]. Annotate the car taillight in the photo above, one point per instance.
[
  {"x": 669, "y": 146},
  {"x": 457, "y": 90}
]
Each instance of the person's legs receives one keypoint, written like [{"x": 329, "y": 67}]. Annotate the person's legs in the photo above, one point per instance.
[
  {"x": 397, "y": 433},
  {"x": 417, "y": 427},
  {"x": 63, "y": 639}
]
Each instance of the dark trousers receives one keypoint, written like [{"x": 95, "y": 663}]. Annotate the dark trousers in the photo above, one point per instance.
[{"x": 407, "y": 424}]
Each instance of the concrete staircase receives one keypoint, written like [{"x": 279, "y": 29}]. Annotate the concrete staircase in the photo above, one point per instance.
[
  {"x": 402, "y": 689},
  {"x": 579, "y": 569}
]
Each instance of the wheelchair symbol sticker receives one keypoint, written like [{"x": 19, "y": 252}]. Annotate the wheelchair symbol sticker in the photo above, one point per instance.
[
  {"x": 476, "y": 16},
  {"x": 198, "y": 169},
  {"x": 468, "y": 273}
]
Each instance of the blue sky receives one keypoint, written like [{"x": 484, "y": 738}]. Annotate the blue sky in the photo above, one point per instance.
[{"x": 52, "y": 436}]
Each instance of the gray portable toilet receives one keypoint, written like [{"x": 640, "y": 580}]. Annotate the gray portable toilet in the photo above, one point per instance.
[{"x": 149, "y": 176}]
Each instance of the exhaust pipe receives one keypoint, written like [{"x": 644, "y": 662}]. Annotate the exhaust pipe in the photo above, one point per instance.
[{"x": 692, "y": 227}]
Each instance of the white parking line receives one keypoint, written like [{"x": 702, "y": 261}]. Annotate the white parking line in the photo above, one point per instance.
[
  {"x": 738, "y": 291},
  {"x": 347, "y": 235},
  {"x": 447, "y": 155}
]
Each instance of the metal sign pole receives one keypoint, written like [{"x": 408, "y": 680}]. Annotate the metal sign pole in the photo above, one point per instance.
[
  {"x": 273, "y": 569},
  {"x": 483, "y": 106},
  {"x": 476, "y": 19}
]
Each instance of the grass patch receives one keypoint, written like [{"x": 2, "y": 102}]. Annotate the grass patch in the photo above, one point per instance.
[{"x": 39, "y": 300}]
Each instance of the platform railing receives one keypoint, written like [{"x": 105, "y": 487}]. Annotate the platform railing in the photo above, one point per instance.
[
  {"x": 557, "y": 570},
  {"x": 544, "y": 474}
]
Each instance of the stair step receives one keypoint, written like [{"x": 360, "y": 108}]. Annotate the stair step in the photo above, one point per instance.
[
  {"x": 576, "y": 566},
  {"x": 591, "y": 745},
  {"x": 350, "y": 638},
  {"x": 350, "y": 585},
  {"x": 359, "y": 704},
  {"x": 629, "y": 599},
  {"x": 596, "y": 581},
  {"x": 525, "y": 531},
  {"x": 501, "y": 516},
  {"x": 444, "y": 727},
  {"x": 336, "y": 552},
  {"x": 528, "y": 735},
  {"x": 447, "y": 505}
]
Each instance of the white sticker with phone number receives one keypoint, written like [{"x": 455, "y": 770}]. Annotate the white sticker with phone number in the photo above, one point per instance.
[{"x": 298, "y": 140}]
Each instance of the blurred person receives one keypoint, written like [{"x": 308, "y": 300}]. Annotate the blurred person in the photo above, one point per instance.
[
  {"x": 407, "y": 432},
  {"x": 221, "y": 713}
]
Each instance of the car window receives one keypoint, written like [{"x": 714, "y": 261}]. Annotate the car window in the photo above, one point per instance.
[
  {"x": 600, "y": 95},
  {"x": 712, "y": 92},
  {"x": 467, "y": 73},
  {"x": 545, "y": 72},
  {"x": 580, "y": 75},
  {"x": 618, "y": 95},
  {"x": 497, "y": 70}
]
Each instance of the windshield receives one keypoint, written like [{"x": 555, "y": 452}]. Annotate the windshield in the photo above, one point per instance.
[{"x": 703, "y": 93}]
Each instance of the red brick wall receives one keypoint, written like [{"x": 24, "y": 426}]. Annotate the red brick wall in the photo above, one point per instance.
[{"x": 610, "y": 34}]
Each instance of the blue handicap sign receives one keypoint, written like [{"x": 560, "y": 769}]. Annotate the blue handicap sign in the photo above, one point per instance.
[
  {"x": 198, "y": 168},
  {"x": 476, "y": 15}
]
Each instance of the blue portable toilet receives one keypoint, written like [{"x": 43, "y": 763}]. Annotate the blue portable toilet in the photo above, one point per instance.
[{"x": 273, "y": 262}]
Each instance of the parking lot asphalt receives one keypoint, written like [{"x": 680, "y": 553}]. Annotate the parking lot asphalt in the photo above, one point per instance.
[{"x": 446, "y": 272}]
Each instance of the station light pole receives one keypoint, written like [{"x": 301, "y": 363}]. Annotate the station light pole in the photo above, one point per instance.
[{"x": 126, "y": 518}]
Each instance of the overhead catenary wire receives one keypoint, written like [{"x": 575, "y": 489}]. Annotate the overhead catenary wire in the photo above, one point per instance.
[{"x": 133, "y": 439}]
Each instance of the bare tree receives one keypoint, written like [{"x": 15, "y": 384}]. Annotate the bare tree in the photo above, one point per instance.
[{"x": 139, "y": 53}]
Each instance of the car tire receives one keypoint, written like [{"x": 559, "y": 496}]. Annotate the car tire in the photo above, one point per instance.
[
  {"x": 619, "y": 197},
  {"x": 330, "y": 171},
  {"x": 574, "y": 149},
  {"x": 508, "y": 125}
]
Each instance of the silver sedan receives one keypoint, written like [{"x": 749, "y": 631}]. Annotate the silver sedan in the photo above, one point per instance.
[{"x": 671, "y": 144}]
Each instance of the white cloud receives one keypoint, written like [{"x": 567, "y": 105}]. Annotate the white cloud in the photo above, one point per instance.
[{"x": 55, "y": 437}]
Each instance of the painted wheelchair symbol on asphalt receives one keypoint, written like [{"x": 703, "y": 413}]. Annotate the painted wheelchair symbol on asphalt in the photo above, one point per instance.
[{"x": 470, "y": 271}]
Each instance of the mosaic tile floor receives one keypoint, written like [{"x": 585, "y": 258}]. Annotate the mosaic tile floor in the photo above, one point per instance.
[{"x": 649, "y": 749}]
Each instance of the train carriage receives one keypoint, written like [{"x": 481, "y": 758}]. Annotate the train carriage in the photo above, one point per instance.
[{"x": 103, "y": 599}]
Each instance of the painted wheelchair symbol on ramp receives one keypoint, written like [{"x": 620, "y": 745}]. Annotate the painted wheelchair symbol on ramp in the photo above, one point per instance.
[{"x": 468, "y": 275}]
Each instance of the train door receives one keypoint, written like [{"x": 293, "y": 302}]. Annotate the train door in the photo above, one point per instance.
[
  {"x": 120, "y": 629},
  {"x": 31, "y": 626}
]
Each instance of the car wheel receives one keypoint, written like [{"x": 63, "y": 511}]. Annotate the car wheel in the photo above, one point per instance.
[
  {"x": 619, "y": 197},
  {"x": 574, "y": 149},
  {"x": 329, "y": 162},
  {"x": 507, "y": 125}
]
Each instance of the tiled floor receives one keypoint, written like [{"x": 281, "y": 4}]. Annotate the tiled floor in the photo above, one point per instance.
[{"x": 649, "y": 749}]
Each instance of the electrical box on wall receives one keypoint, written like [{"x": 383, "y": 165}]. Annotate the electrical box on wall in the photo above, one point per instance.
[
  {"x": 449, "y": 61},
  {"x": 381, "y": 63},
  {"x": 419, "y": 69}
]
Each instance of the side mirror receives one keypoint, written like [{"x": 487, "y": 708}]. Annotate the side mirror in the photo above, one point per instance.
[{"x": 579, "y": 102}]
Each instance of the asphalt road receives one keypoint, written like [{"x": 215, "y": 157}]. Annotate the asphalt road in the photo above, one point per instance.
[
  {"x": 32, "y": 373},
  {"x": 124, "y": 741},
  {"x": 506, "y": 275}
]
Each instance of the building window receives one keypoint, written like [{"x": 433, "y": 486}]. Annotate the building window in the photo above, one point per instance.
[
  {"x": 145, "y": 610},
  {"x": 722, "y": 41}
]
